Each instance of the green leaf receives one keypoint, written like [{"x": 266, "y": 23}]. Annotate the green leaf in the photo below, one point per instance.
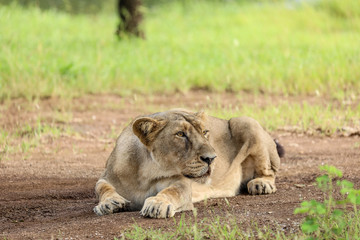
[
  {"x": 309, "y": 226},
  {"x": 323, "y": 181},
  {"x": 345, "y": 190},
  {"x": 320, "y": 209},
  {"x": 337, "y": 213},
  {"x": 345, "y": 184},
  {"x": 351, "y": 197},
  {"x": 332, "y": 171},
  {"x": 306, "y": 204},
  {"x": 301, "y": 210}
]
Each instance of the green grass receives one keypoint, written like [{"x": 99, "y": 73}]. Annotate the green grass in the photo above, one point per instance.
[
  {"x": 328, "y": 118},
  {"x": 31, "y": 135},
  {"x": 298, "y": 117},
  {"x": 209, "y": 228},
  {"x": 28, "y": 137},
  {"x": 268, "y": 47}
]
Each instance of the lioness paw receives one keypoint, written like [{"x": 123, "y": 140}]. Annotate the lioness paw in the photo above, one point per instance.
[
  {"x": 155, "y": 207},
  {"x": 259, "y": 186},
  {"x": 111, "y": 205}
]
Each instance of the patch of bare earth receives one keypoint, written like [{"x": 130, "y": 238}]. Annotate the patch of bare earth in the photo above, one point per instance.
[{"x": 48, "y": 191}]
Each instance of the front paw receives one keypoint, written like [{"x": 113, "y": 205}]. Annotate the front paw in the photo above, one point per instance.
[
  {"x": 155, "y": 207},
  {"x": 110, "y": 205},
  {"x": 259, "y": 186}
]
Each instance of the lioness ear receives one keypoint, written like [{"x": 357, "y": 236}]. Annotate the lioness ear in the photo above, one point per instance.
[
  {"x": 146, "y": 129},
  {"x": 201, "y": 115}
]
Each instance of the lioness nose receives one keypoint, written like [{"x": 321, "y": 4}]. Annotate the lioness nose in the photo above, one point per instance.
[{"x": 208, "y": 158}]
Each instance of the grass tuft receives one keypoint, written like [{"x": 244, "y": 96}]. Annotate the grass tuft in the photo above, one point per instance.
[{"x": 208, "y": 228}]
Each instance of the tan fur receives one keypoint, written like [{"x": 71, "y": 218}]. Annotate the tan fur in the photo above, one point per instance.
[{"x": 162, "y": 163}]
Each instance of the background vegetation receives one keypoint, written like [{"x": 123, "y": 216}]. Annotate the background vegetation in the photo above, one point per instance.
[{"x": 274, "y": 47}]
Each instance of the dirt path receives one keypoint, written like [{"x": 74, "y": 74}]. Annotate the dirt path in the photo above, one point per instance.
[{"x": 48, "y": 192}]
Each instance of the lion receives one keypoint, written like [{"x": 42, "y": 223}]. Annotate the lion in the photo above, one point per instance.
[{"x": 164, "y": 162}]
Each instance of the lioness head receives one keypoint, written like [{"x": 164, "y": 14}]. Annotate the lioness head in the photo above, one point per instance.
[{"x": 177, "y": 140}]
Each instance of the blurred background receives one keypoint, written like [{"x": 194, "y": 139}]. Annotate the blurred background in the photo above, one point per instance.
[
  {"x": 290, "y": 47},
  {"x": 78, "y": 7}
]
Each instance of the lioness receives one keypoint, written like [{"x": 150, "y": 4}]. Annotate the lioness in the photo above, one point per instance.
[{"x": 164, "y": 162}]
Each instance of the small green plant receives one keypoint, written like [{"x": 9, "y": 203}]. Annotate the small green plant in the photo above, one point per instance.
[{"x": 332, "y": 219}]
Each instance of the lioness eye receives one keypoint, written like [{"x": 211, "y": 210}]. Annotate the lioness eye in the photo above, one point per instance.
[
  {"x": 180, "y": 134},
  {"x": 205, "y": 132}
]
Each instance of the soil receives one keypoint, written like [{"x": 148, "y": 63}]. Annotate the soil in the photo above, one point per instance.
[{"x": 48, "y": 191}]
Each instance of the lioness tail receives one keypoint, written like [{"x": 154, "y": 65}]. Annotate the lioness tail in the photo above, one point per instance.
[{"x": 280, "y": 149}]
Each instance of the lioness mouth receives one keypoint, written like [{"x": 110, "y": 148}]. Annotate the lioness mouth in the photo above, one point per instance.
[{"x": 206, "y": 174}]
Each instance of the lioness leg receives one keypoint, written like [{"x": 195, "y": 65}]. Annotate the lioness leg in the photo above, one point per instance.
[
  {"x": 266, "y": 164},
  {"x": 256, "y": 170},
  {"x": 109, "y": 200},
  {"x": 263, "y": 180},
  {"x": 262, "y": 160},
  {"x": 227, "y": 187},
  {"x": 175, "y": 198}
]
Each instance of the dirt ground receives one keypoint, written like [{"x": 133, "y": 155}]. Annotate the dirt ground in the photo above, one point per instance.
[{"x": 48, "y": 192}]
